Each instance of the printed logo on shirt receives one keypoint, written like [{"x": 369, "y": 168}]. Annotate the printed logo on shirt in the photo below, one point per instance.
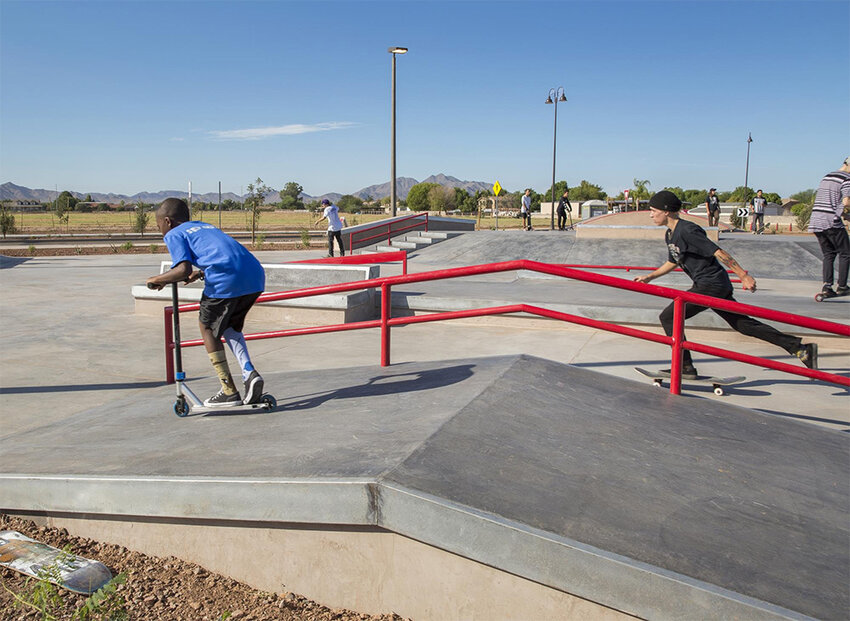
[
  {"x": 195, "y": 229},
  {"x": 675, "y": 253}
]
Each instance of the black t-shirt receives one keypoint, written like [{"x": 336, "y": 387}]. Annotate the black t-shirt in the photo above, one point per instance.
[
  {"x": 690, "y": 248},
  {"x": 564, "y": 205},
  {"x": 713, "y": 202}
]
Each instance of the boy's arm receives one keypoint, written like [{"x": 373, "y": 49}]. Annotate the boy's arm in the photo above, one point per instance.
[
  {"x": 180, "y": 272},
  {"x": 316, "y": 223},
  {"x": 747, "y": 281},
  {"x": 668, "y": 267}
]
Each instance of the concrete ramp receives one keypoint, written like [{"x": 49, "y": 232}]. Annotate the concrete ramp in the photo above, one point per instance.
[{"x": 606, "y": 489}]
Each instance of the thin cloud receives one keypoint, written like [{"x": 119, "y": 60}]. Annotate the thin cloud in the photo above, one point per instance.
[{"x": 260, "y": 133}]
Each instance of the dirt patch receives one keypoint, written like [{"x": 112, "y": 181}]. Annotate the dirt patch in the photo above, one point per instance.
[{"x": 169, "y": 589}]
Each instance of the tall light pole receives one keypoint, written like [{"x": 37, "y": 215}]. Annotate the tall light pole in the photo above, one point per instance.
[
  {"x": 555, "y": 95},
  {"x": 747, "y": 170},
  {"x": 394, "y": 51}
]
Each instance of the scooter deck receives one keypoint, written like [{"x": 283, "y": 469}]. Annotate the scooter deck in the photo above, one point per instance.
[{"x": 184, "y": 406}]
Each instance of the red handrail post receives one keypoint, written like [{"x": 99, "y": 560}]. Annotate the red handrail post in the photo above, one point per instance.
[
  {"x": 404, "y": 263},
  {"x": 426, "y": 221},
  {"x": 678, "y": 337},
  {"x": 386, "y": 306},
  {"x": 169, "y": 345}
]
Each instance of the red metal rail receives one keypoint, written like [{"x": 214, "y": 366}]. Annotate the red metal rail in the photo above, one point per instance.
[
  {"x": 628, "y": 268},
  {"x": 677, "y": 342},
  {"x": 390, "y": 229},
  {"x": 377, "y": 257}
]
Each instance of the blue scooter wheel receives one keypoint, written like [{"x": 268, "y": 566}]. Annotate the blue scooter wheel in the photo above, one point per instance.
[{"x": 181, "y": 408}]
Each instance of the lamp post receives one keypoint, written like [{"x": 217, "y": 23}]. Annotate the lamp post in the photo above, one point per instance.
[
  {"x": 555, "y": 95},
  {"x": 394, "y": 50},
  {"x": 747, "y": 170}
]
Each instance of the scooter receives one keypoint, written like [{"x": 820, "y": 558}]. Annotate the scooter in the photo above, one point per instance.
[{"x": 187, "y": 401}]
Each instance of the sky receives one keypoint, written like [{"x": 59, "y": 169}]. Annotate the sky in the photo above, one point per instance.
[{"x": 127, "y": 97}]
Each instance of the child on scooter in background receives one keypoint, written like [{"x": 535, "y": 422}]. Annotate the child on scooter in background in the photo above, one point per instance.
[{"x": 233, "y": 280}]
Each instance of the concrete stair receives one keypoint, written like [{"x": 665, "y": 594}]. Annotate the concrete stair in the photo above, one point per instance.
[{"x": 411, "y": 242}]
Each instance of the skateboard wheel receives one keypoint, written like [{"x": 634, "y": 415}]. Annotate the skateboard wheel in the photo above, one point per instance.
[
  {"x": 181, "y": 408},
  {"x": 718, "y": 390},
  {"x": 269, "y": 402},
  {"x": 819, "y": 297},
  {"x": 656, "y": 383}
]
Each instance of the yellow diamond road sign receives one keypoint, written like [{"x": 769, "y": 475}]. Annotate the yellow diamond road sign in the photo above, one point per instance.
[{"x": 497, "y": 188}]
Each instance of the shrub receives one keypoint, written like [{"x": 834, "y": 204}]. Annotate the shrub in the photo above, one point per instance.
[{"x": 803, "y": 214}]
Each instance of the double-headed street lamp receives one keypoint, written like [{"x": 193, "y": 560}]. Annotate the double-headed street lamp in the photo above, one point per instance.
[
  {"x": 394, "y": 50},
  {"x": 555, "y": 95}
]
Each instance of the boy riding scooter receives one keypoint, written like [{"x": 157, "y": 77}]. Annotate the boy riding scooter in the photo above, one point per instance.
[{"x": 233, "y": 280}]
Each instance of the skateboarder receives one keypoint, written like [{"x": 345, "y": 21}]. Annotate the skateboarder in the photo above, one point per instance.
[
  {"x": 525, "y": 210},
  {"x": 757, "y": 205},
  {"x": 564, "y": 206},
  {"x": 832, "y": 198},
  {"x": 712, "y": 207},
  {"x": 233, "y": 280},
  {"x": 331, "y": 213},
  {"x": 688, "y": 247}
]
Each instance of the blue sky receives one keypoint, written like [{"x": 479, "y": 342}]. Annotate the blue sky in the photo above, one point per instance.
[{"x": 131, "y": 96}]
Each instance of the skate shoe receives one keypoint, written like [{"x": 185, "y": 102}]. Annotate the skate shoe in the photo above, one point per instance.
[
  {"x": 253, "y": 388},
  {"x": 688, "y": 372},
  {"x": 808, "y": 355},
  {"x": 222, "y": 399},
  {"x": 842, "y": 291}
]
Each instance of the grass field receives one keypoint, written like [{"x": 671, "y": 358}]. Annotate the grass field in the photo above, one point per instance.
[{"x": 46, "y": 223}]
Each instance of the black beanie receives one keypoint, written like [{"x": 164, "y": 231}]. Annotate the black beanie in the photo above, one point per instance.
[{"x": 665, "y": 200}]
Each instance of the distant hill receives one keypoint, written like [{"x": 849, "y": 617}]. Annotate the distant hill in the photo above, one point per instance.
[{"x": 11, "y": 191}]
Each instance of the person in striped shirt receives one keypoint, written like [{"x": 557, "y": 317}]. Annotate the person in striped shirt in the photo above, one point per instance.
[{"x": 827, "y": 223}]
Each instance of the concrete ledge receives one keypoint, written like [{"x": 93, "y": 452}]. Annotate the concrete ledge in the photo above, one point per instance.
[{"x": 322, "y": 309}]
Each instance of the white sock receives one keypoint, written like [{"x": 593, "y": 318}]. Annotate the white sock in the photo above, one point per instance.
[{"x": 236, "y": 342}]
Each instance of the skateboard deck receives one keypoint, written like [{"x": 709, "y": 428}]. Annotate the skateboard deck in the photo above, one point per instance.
[
  {"x": 44, "y": 562},
  {"x": 717, "y": 383}
]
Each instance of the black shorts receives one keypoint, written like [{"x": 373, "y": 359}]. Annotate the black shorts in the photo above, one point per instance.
[{"x": 219, "y": 314}]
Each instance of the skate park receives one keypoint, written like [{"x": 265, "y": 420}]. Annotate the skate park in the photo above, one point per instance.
[{"x": 506, "y": 466}]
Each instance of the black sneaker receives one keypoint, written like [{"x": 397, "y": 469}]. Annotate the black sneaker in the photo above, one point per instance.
[
  {"x": 842, "y": 291},
  {"x": 253, "y": 388},
  {"x": 687, "y": 372},
  {"x": 222, "y": 399},
  {"x": 808, "y": 355}
]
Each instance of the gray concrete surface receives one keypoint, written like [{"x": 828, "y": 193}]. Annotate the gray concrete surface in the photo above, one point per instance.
[
  {"x": 77, "y": 360},
  {"x": 639, "y": 492}
]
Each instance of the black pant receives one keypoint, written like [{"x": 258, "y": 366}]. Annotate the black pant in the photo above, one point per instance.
[
  {"x": 741, "y": 323},
  {"x": 526, "y": 220},
  {"x": 338, "y": 236},
  {"x": 562, "y": 220},
  {"x": 713, "y": 218},
  {"x": 758, "y": 221},
  {"x": 835, "y": 242}
]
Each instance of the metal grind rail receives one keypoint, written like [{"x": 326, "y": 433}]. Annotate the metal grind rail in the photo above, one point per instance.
[
  {"x": 676, "y": 341},
  {"x": 628, "y": 268},
  {"x": 390, "y": 230}
]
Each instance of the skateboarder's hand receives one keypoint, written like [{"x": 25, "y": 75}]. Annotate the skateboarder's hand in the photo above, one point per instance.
[
  {"x": 748, "y": 283},
  {"x": 152, "y": 284},
  {"x": 644, "y": 278}
]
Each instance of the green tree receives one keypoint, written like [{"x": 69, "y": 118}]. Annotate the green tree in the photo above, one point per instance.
[
  {"x": 7, "y": 219},
  {"x": 63, "y": 206},
  {"x": 441, "y": 198},
  {"x": 805, "y": 196},
  {"x": 417, "y": 198},
  {"x": 641, "y": 188},
  {"x": 350, "y": 203},
  {"x": 741, "y": 194},
  {"x": 586, "y": 191},
  {"x": 773, "y": 197},
  {"x": 290, "y": 196},
  {"x": 142, "y": 217},
  {"x": 560, "y": 186},
  {"x": 257, "y": 193}
]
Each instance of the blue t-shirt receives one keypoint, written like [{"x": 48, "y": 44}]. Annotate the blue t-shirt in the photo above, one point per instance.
[{"x": 229, "y": 269}]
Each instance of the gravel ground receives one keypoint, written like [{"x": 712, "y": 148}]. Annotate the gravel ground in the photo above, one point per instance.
[{"x": 158, "y": 589}]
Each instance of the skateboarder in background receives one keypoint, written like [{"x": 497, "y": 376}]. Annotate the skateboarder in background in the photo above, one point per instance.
[
  {"x": 832, "y": 197},
  {"x": 688, "y": 247},
  {"x": 563, "y": 207},
  {"x": 331, "y": 213},
  {"x": 233, "y": 280},
  {"x": 525, "y": 210},
  {"x": 757, "y": 204},
  {"x": 712, "y": 207}
]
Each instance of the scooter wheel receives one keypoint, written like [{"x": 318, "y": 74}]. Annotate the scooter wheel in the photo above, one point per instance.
[
  {"x": 269, "y": 402},
  {"x": 181, "y": 408},
  {"x": 819, "y": 297}
]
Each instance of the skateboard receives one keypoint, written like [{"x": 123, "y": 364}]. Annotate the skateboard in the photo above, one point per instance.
[
  {"x": 821, "y": 297},
  {"x": 44, "y": 562},
  {"x": 717, "y": 383}
]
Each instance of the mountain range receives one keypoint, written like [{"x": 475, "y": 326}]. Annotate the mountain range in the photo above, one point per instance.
[{"x": 10, "y": 191}]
